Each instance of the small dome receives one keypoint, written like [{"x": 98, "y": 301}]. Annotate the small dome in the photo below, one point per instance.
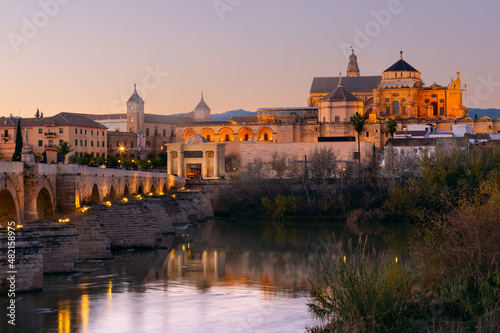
[{"x": 195, "y": 140}]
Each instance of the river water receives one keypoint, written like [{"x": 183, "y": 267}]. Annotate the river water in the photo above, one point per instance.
[{"x": 222, "y": 276}]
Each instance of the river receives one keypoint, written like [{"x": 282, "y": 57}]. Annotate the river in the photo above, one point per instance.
[{"x": 222, "y": 276}]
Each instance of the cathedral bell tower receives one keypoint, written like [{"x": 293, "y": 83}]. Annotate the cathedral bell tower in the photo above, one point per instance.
[
  {"x": 352, "y": 67},
  {"x": 135, "y": 112}
]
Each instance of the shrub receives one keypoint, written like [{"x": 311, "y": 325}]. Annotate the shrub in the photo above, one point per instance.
[
  {"x": 362, "y": 291},
  {"x": 281, "y": 206}
]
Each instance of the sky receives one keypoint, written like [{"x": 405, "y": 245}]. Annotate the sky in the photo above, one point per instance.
[{"x": 85, "y": 55}]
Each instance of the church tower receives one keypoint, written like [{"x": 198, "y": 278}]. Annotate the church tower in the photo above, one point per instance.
[
  {"x": 135, "y": 112},
  {"x": 202, "y": 111},
  {"x": 352, "y": 67}
]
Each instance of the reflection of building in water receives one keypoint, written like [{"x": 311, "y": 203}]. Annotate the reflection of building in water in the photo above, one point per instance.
[{"x": 272, "y": 272}]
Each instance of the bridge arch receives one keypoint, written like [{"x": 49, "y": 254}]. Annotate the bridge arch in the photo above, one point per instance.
[
  {"x": 44, "y": 206},
  {"x": 165, "y": 189},
  {"x": 10, "y": 210},
  {"x": 126, "y": 191},
  {"x": 152, "y": 189},
  {"x": 140, "y": 189},
  {"x": 95, "y": 194},
  {"x": 111, "y": 192}
]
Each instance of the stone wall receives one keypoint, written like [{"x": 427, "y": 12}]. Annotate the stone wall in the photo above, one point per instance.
[
  {"x": 29, "y": 262},
  {"x": 138, "y": 222},
  {"x": 60, "y": 245},
  {"x": 344, "y": 150}
]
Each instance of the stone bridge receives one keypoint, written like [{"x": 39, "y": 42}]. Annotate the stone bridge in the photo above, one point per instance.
[{"x": 30, "y": 192}]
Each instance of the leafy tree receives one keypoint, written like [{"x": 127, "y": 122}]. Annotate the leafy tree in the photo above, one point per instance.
[
  {"x": 358, "y": 122},
  {"x": 44, "y": 159},
  {"x": 64, "y": 149},
  {"x": 41, "y": 114},
  {"x": 37, "y": 114},
  {"x": 392, "y": 126},
  {"x": 19, "y": 142}
]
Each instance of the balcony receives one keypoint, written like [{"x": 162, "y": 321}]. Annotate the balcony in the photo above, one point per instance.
[
  {"x": 50, "y": 134},
  {"x": 50, "y": 146},
  {"x": 5, "y": 137}
]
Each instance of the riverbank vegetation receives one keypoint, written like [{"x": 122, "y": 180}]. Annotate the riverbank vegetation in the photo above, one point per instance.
[{"x": 452, "y": 199}]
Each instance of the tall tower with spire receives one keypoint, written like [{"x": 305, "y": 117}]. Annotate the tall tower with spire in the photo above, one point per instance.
[
  {"x": 202, "y": 111},
  {"x": 352, "y": 67},
  {"x": 135, "y": 112}
]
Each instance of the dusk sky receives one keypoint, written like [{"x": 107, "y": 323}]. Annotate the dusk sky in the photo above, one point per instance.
[{"x": 84, "y": 55}]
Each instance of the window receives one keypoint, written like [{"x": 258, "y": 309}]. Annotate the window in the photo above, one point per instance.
[
  {"x": 367, "y": 134},
  {"x": 117, "y": 143},
  {"x": 387, "y": 110},
  {"x": 103, "y": 144},
  {"x": 97, "y": 133},
  {"x": 441, "y": 111},
  {"x": 131, "y": 119},
  {"x": 76, "y": 132},
  {"x": 40, "y": 143},
  {"x": 91, "y": 132},
  {"x": 97, "y": 142},
  {"x": 85, "y": 143},
  {"x": 395, "y": 107},
  {"x": 147, "y": 131},
  {"x": 81, "y": 131},
  {"x": 76, "y": 143},
  {"x": 40, "y": 131},
  {"x": 337, "y": 119},
  {"x": 60, "y": 142},
  {"x": 147, "y": 144},
  {"x": 164, "y": 133},
  {"x": 81, "y": 142},
  {"x": 91, "y": 143},
  {"x": 61, "y": 130},
  {"x": 156, "y": 132},
  {"x": 403, "y": 110},
  {"x": 102, "y": 133}
]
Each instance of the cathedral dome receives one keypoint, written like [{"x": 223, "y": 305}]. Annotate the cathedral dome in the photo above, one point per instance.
[{"x": 401, "y": 66}]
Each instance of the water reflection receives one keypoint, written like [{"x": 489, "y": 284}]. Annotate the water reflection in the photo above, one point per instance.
[{"x": 215, "y": 277}]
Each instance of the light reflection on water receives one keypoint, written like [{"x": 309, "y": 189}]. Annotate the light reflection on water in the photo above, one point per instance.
[{"x": 217, "y": 277}]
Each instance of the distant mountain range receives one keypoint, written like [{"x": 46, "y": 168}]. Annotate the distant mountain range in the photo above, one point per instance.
[
  {"x": 229, "y": 114},
  {"x": 492, "y": 113}
]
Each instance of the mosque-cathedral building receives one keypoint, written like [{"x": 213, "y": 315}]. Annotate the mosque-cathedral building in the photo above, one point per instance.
[{"x": 398, "y": 93}]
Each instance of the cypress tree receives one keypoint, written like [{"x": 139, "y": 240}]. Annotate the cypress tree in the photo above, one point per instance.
[{"x": 19, "y": 142}]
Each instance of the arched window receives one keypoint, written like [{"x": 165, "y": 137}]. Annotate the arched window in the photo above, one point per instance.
[
  {"x": 337, "y": 119},
  {"x": 395, "y": 107}
]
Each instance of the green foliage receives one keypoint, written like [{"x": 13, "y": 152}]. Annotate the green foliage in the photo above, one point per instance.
[
  {"x": 63, "y": 149},
  {"x": 458, "y": 257},
  {"x": 281, "y": 206},
  {"x": 362, "y": 291},
  {"x": 392, "y": 126},
  {"x": 19, "y": 142}
]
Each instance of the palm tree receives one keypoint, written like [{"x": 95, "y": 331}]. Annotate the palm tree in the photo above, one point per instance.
[
  {"x": 64, "y": 149},
  {"x": 358, "y": 122},
  {"x": 392, "y": 126}
]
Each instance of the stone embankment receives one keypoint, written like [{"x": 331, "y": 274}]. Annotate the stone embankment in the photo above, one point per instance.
[{"x": 94, "y": 230}]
